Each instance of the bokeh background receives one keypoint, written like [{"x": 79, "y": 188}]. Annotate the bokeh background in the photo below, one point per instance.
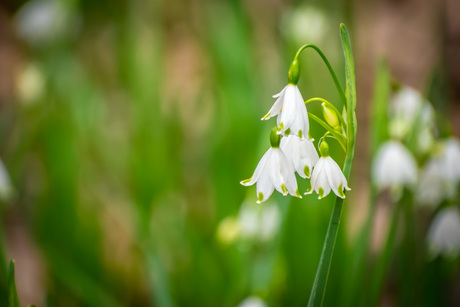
[{"x": 126, "y": 126}]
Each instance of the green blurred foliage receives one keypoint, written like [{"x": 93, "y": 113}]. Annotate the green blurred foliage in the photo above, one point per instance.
[{"x": 130, "y": 157}]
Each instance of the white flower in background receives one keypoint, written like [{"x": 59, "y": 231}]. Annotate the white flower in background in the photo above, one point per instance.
[
  {"x": 42, "y": 21},
  {"x": 408, "y": 108},
  {"x": 444, "y": 233},
  {"x": 228, "y": 230},
  {"x": 394, "y": 166},
  {"x": 252, "y": 301},
  {"x": 431, "y": 185},
  {"x": 259, "y": 223},
  {"x": 301, "y": 152},
  {"x": 305, "y": 23},
  {"x": 30, "y": 84},
  {"x": 292, "y": 112},
  {"x": 452, "y": 159},
  {"x": 274, "y": 171},
  {"x": 407, "y": 103},
  {"x": 6, "y": 188},
  {"x": 327, "y": 176}
]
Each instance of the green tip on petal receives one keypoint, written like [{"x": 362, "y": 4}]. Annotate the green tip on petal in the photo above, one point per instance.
[
  {"x": 298, "y": 193},
  {"x": 283, "y": 187},
  {"x": 261, "y": 197},
  {"x": 341, "y": 191},
  {"x": 306, "y": 171},
  {"x": 321, "y": 192},
  {"x": 288, "y": 131},
  {"x": 300, "y": 133},
  {"x": 245, "y": 181},
  {"x": 266, "y": 116},
  {"x": 281, "y": 127}
]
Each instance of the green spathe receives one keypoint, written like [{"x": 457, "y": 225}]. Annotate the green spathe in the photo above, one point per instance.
[
  {"x": 324, "y": 149},
  {"x": 294, "y": 72},
  {"x": 275, "y": 138}
]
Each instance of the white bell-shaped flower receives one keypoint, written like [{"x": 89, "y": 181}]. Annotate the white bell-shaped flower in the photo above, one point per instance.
[
  {"x": 301, "y": 152},
  {"x": 274, "y": 171},
  {"x": 394, "y": 166},
  {"x": 431, "y": 185},
  {"x": 327, "y": 176},
  {"x": 444, "y": 233},
  {"x": 252, "y": 301},
  {"x": 292, "y": 112},
  {"x": 259, "y": 223},
  {"x": 451, "y": 157}
]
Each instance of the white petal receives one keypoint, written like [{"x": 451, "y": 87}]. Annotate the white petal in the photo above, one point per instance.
[
  {"x": 335, "y": 177},
  {"x": 277, "y": 106},
  {"x": 301, "y": 153},
  {"x": 288, "y": 172},
  {"x": 289, "y": 108},
  {"x": 264, "y": 186},
  {"x": 259, "y": 169},
  {"x": 274, "y": 170}
]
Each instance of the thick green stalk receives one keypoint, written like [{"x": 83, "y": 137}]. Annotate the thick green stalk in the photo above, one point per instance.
[{"x": 319, "y": 286}]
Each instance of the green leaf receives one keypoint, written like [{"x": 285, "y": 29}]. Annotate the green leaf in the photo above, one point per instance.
[
  {"x": 380, "y": 106},
  {"x": 13, "y": 299}
]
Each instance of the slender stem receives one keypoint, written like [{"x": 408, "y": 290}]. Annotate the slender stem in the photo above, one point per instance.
[
  {"x": 319, "y": 286},
  {"x": 340, "y": 138},
  {"x": 339, "y": 115},
  {"x": 329, "y": 67}
]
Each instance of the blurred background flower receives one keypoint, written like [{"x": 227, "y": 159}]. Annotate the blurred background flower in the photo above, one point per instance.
[{"x": 126, "y": 126}]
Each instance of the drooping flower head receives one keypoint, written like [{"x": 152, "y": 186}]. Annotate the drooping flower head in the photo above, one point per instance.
[
  {"x": 444, "y": 233},
  {"x": 274, "y": 171},
  {"x": 327, "y": 175},
  {"x": 394, "y": 166},
  {"x": 292, "y": 113}
]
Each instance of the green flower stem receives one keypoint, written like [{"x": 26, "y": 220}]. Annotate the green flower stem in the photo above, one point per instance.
[
  {"x": 339, "y": 137},
  {"x": 329, "y": 67},
  {"x": 319, "y": 286},
  {"x": 339, "y": 115}
]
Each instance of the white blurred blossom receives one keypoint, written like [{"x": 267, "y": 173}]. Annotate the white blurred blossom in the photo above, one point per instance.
[
  {"x": 305, "y": 24},
  {"x": 252, "y": 301},
  {"x": 452, "y": 159},
  {"x": 431, "y": 187},
  {"x": 30, "y": 83},
  {"x": 394, "y": 166},
  {"x": 6, "y": 188},
  {"x": 444, "y": 233},
  {"x": 409, "y": 109},
  {"x": 253, "y": 223},
  {"x": 43, "y": 21}
]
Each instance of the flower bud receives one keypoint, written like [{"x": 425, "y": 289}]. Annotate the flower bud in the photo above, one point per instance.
[{"x": 330, "y": 116}]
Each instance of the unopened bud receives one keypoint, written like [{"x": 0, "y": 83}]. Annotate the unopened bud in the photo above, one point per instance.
[{"x": 330, "y": 116}]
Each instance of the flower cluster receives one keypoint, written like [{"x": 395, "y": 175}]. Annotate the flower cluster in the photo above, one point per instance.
[
  {"x": 292, "y": 149},
  {"x": 412, "y": 132},
  {"x": 429, "y": 167}
]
